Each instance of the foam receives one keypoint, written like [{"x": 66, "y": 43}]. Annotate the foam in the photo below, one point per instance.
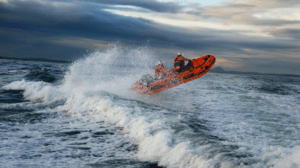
[
  {"x": 154, "y": 138},
  {"x": 42, "y": 145},
  {"x": 279, "y": 157},
  {"x": 34, "y": 91},
  {"x": 151, "y": 130}
]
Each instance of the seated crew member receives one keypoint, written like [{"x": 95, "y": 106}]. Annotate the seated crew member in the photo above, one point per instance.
[
  {"x": 179, "y": 62},
  {"x": 160, "y": 70}
]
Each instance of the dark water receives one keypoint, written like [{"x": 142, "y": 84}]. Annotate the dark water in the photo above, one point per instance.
[{"x": 83, "y": 115}]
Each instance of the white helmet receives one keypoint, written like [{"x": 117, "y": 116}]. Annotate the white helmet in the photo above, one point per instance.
[
  {"x": 180, "y": 53},
  {"x": 160, "y": 63}
]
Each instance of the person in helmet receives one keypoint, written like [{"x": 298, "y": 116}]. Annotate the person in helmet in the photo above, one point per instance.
[
  {"x": 160, "y": 71},
  {"x": 179, "y": 62}
]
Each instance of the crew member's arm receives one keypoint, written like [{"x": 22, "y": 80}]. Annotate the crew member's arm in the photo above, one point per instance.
[
  {"x": 156, "y": 70},
  {"x": 183, "y": 58},
  {"x": 179, "y": 58},
  {"x": 176, "y": 60},
  {"x": 164, "y": 70}
]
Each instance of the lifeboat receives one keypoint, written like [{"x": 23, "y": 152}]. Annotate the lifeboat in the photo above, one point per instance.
[{"x": 195, "y": 68}]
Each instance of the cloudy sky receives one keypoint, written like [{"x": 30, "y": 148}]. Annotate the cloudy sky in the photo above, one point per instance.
[{"x": 244, "y": 35}]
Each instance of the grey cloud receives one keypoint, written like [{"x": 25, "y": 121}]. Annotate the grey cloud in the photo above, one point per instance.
[
  {"x": 273, "y": 65},
  {"x": 153, "y": 5},
  {"x": 242, "y": 12},
  {"x": 24, "y": 46},
  {"x": 241, "y": 6},
  {"x": 45, "y": 30},
  {"x": 292, "y": 33}
]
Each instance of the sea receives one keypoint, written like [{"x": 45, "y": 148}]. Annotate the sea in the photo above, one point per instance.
[{"x": 82, "y": 114}]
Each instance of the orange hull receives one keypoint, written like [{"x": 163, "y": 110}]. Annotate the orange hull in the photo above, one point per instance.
[{"x": 200, "y": 66}]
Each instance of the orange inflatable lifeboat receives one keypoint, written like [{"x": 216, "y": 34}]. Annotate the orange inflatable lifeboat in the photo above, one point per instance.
[{"x": 194, "y": 69}]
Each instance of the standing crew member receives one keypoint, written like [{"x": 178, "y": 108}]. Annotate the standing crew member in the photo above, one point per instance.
[
  {"x": 179, "y": 62},
  {"x": 160, "y": 70}
]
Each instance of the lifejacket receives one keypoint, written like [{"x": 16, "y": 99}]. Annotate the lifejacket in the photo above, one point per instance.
[
  {"x": 179, "y": 61},
  {"x": 160, "y": 69}
]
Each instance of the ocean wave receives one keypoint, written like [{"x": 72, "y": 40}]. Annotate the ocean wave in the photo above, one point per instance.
[
  {"x": 34, "y": 91},
  {"x": 37, "y": 73}
]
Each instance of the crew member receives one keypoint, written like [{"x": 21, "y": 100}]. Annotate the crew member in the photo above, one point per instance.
[
  {"x": 160, "y": 70},
  {"x": 179, "y": 62}
]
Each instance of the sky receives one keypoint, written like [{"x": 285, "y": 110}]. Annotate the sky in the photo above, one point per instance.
[{"x": 244, "y": 35}]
